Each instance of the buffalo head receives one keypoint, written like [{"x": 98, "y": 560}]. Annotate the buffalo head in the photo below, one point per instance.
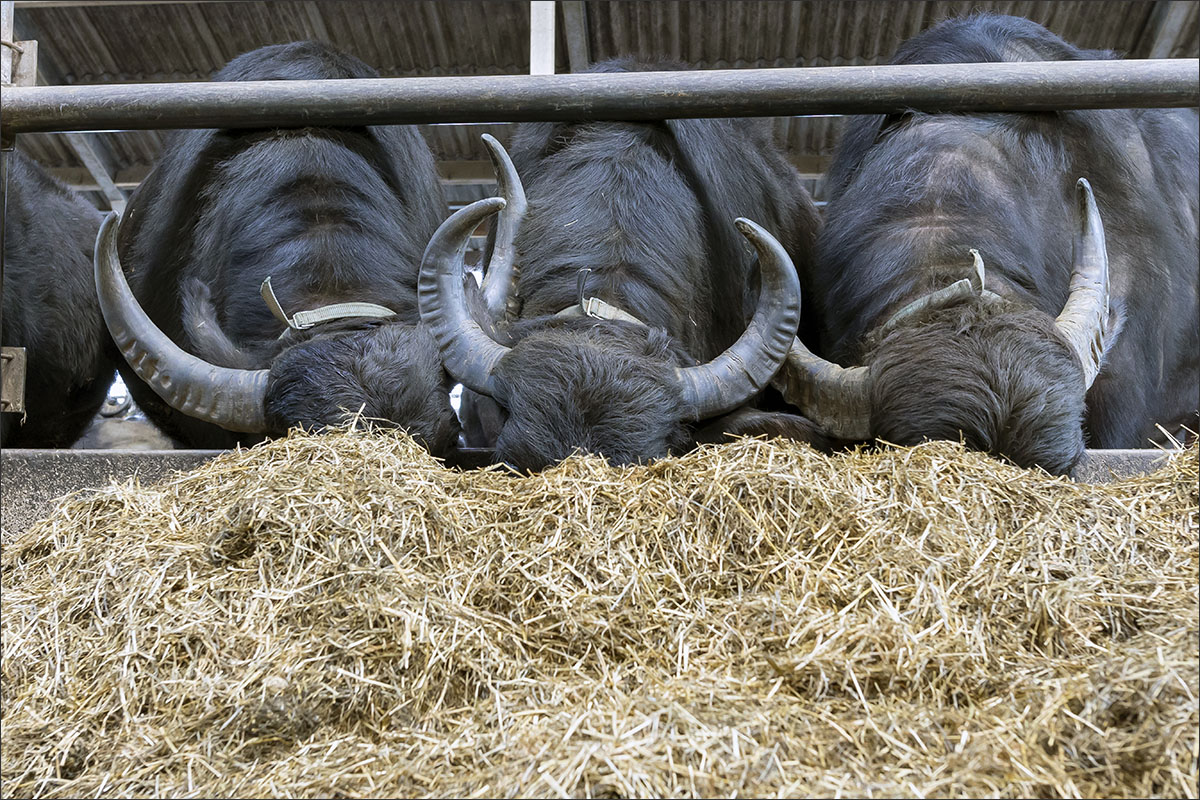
[
  {"x": 385, "y": 370},
  {"x": 964, "y": 362},
  {"x": 604, "y": 384}
]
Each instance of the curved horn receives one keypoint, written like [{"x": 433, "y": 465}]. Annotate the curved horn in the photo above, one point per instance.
[
  {"x": 231, "y": 398},
  {"x": 500, "y": 277},
  {"x": 1084, "y": 319},
  {"x": 744, "y": 369},
  {"x": 836, "y": 398},
  {"x": 468, "y": 353}
]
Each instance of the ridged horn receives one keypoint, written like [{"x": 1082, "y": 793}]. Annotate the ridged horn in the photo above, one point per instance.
[
  {"x": 836, "y": 398},
  {"x": 230, "y": 398},
  {"x": 468, "y": 353},
  {"x": 1084, "y": 319},
  {"x": 733, "y": 377},
  {"x": 500, "y": 276}
]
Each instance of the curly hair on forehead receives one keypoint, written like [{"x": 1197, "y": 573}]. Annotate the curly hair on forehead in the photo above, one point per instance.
[
  {"x": 605, "y": 388},
  {"x": 1001, "y": 379},
  {"x": 321, "y": 380}
]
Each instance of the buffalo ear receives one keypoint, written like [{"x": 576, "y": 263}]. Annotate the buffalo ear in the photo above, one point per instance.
[
  {"x": 890, "y": 122},
  {"x": 482, "y": 419},
  {"x": 204, "y": 332},
  {"x": 477, "y": 308},
  {"x": 772, "y": 424}
]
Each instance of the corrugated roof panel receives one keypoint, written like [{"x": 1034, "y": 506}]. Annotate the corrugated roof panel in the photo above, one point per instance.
[
  {"x": 48, "y": 149},
  {"x": 172, "y": 42},
  {"x": 1187, "y": 39},
  {"x": 712, "y": 34},
  {"x": 133, "y": 149},
  {"x": 434, "y": 38},
  {"x": 464, "y": 142}
]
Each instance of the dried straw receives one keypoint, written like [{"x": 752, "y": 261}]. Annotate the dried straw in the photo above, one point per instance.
[{"x": 339, "y": 615}]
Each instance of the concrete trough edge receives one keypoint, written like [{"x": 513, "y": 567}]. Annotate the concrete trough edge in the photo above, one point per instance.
[{"x": 31, "y": 481}]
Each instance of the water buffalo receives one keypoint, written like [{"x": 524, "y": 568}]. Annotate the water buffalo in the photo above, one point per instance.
[
  {"x": 620, "y": 308},
  {"x": 989, "y": 291},
  {"x": 336, "y": 218},
  {"x": 50, "y": 309}
]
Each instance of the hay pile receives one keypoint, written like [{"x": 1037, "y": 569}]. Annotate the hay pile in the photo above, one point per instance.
[{"x": 340, "y": 616}]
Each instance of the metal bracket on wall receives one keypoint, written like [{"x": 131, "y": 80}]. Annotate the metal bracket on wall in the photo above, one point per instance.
[
  {"x": 20, "y": 65},
  {"x": 12, "y": 379},
  {"x": 18, "y": 60},
  {"x": 23, "y": 65}
]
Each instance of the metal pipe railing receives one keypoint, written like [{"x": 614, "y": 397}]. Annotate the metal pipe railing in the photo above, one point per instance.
[{"x": 1009, "y": 86}]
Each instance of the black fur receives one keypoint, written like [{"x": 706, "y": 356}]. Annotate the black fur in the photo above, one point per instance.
[
  {"x": 598, "y": 387},
  {"x": 356, "y": 369},
  {"x": 912, "y": 193},
  {"x": 50, "y": 308},
  {"x": 993, "y": 369},
  {"x": 649, "y": 208},
  {"x": 331, "y": 215}
]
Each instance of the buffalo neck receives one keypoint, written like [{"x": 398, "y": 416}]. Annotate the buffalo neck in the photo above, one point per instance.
[
  {"x": 316, "y": 218},
  {"x": 639, "y": 229},
  {"x": 921, "y": 200}
]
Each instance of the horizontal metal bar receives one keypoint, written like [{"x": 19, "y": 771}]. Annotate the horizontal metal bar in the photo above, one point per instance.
[{"x": 1010, "y": 86}]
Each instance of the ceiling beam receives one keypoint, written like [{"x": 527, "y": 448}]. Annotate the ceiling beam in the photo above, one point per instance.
[
  {"x": 98, "y": 162},
  {"x": 90, "y": 149},
  {"x": 466, "y": 172},
  {"x": 81, "y": 180},
  {"x": 452, "y": 173},
  {"x": 575, "y": 31},
  {"x": 1163, "y": 29},
  {"x": 93, "y": 3},
  {"x": 810, "y": 167}
]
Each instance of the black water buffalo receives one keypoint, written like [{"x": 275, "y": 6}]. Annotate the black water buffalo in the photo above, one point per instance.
[
  {"x": 50, "y": 309},
  {"x": 966, "y": 264},
  {"x": 336, "y": 218},
  {"x": 621, "y": 305}
]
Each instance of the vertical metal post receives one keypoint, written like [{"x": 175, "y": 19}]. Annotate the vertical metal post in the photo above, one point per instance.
[
  {"x": 5, "y": 154},
  {"x": 7, "y": 53},
  {"x": 14, "y": 69},
  {"x": 6, "y": 70},
  {"x": 541, "y": 37}
]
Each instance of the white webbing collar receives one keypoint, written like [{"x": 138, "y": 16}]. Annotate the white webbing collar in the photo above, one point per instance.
[
  {"x": 302, "y": 320},
  {"x": 595, "y": 307},
  {"x": 959, "y": 290},
  {"x": 598, "y": 309}
]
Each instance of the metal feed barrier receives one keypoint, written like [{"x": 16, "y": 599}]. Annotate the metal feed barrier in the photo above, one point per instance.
[{"x": 1027, "y": 86}]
